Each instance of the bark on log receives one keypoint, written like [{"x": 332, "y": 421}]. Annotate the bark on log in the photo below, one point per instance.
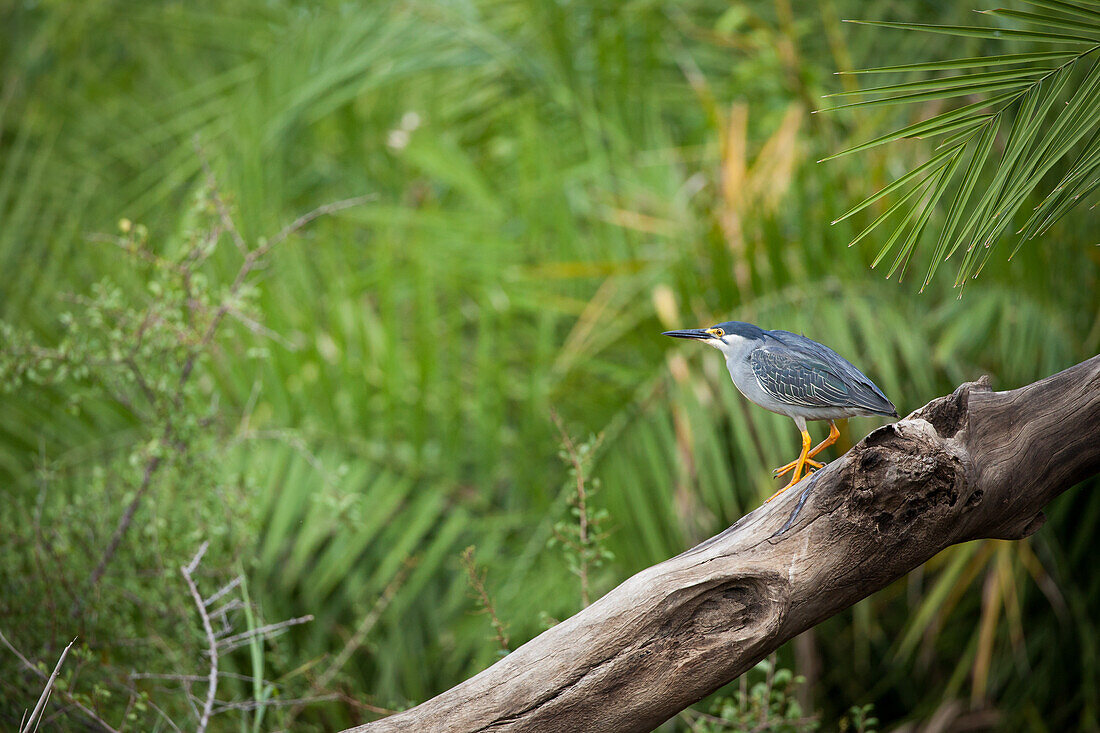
[{"x": 974, "y": 464}]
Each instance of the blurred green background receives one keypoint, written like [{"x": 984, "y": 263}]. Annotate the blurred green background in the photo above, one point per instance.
[{"x": 554, "y": 183}]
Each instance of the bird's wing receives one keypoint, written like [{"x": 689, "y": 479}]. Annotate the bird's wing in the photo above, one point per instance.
[{"x": 798, "y": 379}]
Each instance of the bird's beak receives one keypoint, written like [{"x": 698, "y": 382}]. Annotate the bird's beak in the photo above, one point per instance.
[{"x": 689, "y": 333}]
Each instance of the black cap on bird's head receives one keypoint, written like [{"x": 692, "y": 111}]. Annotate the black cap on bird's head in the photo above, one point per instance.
[{"x": 720, "y": 331}]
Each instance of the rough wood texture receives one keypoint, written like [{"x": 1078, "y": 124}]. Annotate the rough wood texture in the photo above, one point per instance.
[{"x": 970, "y": 465}]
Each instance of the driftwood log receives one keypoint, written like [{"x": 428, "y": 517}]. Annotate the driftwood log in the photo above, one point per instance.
[{"x": 972, "y": 465}]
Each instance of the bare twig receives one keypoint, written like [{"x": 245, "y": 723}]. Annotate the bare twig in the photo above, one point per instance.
[
  {"x": 223, "y": 210},
  {"x": 68, "y": 698},
  {"x": 355, "y": 641},
  {"x": 222, "y": 591},
  {"x": 230, "y": 643},
  {"x": 171, "y": 723},
  {"x": 37, "y": 712},
  {"x": 368, "y": 622},
  {"x": 256, "y": 704},
  {"x": 127, "y": 517},
  {"x": 378, "y": 710},
  {"x": 317, "y": 213},
  {"x": 477, "y": 584},
  {"x": 212, "y": 643},
  {"x": 193, "y": 677},
  {"x": 583, "y": 540}
]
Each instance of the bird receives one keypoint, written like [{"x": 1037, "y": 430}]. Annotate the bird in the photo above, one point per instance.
[{"x": 794, "y": 376}]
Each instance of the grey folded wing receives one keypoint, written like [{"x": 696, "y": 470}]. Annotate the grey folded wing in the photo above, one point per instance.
[{"x": 806, "y": 379}]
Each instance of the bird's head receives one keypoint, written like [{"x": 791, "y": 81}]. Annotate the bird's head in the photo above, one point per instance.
[{"x": 729, "y": 337}]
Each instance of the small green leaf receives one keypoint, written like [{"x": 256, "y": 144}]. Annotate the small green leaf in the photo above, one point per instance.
[
  {"x": 936, "y": 94},
  {"x": 948, "y": 82},
  {"x": 962, "y": 196},
  {"x": 896, "y": 206},
  {"x": 1069, "y": 8},
  {"x": 972, "y": 62},
  {"x": 931, "y": 126},
  {"x": 938, "y": 188},
  {"x": 1048, "y": 20},
  {"x": 934, "y": 164},
  {"x": 976, "y": 32}
]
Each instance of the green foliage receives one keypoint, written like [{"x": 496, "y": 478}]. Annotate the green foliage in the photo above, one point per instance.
[
  {"x": 765, "y": 702},
  {"x": 581, "y": 536},
  {"x": 1044, "y": 112}
]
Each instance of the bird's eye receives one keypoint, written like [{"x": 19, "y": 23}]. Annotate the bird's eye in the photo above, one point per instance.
[{"x": 716, "y": 332}]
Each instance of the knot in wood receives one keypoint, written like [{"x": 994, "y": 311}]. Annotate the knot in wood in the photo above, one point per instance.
[{"x": 898, "y": 479}]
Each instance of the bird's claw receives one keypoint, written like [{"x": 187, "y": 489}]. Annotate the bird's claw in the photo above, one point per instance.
[{"x": 809, "y": 462}]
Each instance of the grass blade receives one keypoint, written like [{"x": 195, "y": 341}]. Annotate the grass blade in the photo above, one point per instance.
[
  {"x": 972, "y": 62},
  {"x": 1048, "y": 20},
  {"x": 1068, "y": 8},
  {"x": 937, "y": 94},
  {"x": 931, "y": 126},
  {"x": 966, "y": 31},
  {"x": 946, "y": 82},
  {"x": 932, "y": 165}
]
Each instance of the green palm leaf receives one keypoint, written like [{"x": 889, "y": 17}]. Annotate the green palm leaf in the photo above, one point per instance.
[{"x": 1045, "y": 112}]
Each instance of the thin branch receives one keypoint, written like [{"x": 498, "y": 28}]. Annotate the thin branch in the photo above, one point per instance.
[
  {"x": 212, "y": 643},
  {"x": 230, "y": 643},
  {"x": 356, "y": 640},
  {"x": 63, "y": 693},
  {"x": 219, "y": 203},
  {"x": 37, "y": 712},
  {"x": 126, "y": 519},
  {"x": 255, "y": 704},
  {"x": 194, "y": 677},
  {"x": 578, "y": 472},
  {"x": 164, "y": 715},
  {"x": 317, "y": 213},
  {"x": 222, "y": 591},
  {"x": 477, "y": 584}
]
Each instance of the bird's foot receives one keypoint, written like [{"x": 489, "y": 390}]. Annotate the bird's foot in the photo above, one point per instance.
[
  {"x": 790, "y": 467},
  {"x": 789, "y": 485}
]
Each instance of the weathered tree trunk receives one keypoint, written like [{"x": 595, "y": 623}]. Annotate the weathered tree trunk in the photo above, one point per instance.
[{"x": 970, "y": 465}]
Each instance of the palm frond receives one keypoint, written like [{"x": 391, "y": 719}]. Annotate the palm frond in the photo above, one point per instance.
[{"x": 1045, "y": 111}]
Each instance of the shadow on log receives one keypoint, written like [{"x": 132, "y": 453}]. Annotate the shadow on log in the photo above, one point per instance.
[{"x": 970, "y": 465}]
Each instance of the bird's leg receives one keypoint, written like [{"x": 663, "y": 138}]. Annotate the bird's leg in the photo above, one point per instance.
[
  {"x": 799, "y": 464},
  {"x": 790, "y": 466},
  {"x": 833, "y": 435}
]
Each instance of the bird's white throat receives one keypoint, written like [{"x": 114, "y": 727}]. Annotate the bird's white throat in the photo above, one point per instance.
[{"x": 732, "y": 345}]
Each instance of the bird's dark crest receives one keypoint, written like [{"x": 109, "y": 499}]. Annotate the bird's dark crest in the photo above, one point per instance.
[{"x": 742, "y": 329}]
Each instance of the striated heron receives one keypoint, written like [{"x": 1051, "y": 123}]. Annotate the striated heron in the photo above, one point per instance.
[{"x": 793, "y": 376}]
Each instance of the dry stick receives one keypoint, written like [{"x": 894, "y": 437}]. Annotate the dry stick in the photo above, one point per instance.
[
  {"x": 355, "y": 641},
  {"x": 477, "y": 583},
  {"x": 68, "y": 697},
  {"x": 212, "y": 683},
  {"x": 37, "y": 712},
  {"x": 223, "y": 210},
  {"x": 127, "y": 518},
  {"x": 238, "y": 640},
  {"x": 251, "y": 259},
  {"x": 582, "y": 507},
  {"x": 365, "y": 625},
  {"x": 222, "y": 591}
]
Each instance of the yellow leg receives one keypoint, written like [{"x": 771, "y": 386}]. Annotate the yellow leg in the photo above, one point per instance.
[
  {"x": 833, "y": 435},
  {"x": 799, "y": 465},
  {"x": 790, "y": 466}
]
